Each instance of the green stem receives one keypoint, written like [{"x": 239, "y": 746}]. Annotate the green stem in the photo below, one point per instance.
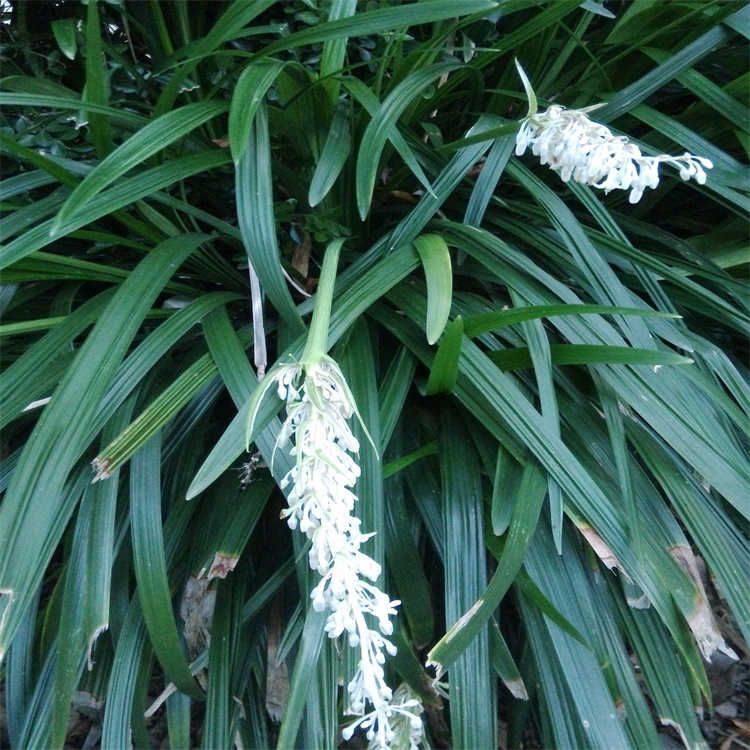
[{"x": 317, "y": 338}]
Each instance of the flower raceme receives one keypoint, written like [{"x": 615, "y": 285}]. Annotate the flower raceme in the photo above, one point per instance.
[
  {"x": 588, "y": 152},
  {"x": 321, "y": 504}
]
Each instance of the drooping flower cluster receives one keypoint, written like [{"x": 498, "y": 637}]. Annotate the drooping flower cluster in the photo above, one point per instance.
[
  {"x": 403, "y": 713},
  {"x": 588, "y": 152},
  {"x": 321, "y": 503}
]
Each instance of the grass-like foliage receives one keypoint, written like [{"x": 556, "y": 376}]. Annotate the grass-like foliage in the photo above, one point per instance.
[{"x": 551, "y": 379}]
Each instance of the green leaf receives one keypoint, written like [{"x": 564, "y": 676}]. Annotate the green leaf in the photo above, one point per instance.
[
  {"x": 256, "y": 220},
  {"x": 473, "y": 689},
  {"x": 65, "y": 36},
  {"x": 406, "y": 566},
  {"x": 436, "y": 261},
  {"x": 372, "y": 105},
  {"x": 639, "y": 90},
  {"x": 399, "y": 464},
  {"x": 151, "y": 569},
  {"x": 590, "y": 698},
  {"x": 448, "y": 179},
  {"x": 444, "y": 371},
  {"x": 385, "y": 120},
  {"x": 248, "y": 96},
  {"x": 96, "y": 83},
  {"x": 332, "y": 159},
  {"x": 370, "y": 286},
  {"x": 381, "y": 20},
  {"x": 226, "y": 27},
  {"x": 478, "y": 324},
  {"x": 588, "y": 354},
  {"x": 334, "y": 50},
  {"x": 33, "y": 514},
  {"x": 25, "y": 380},
  {"x": 313, "y": 639},
  {"x": 126, "y": 192},
  {"x": 393, "y": 391},
  {"x": 23, "y": 183},
  {"x": 526, "y": 508},
  {"x": 504, "y": 665},
  {"x": 221, "y": 709},
  {"x": 132, "y": 652},
  {"x": 148, "y": 141}
]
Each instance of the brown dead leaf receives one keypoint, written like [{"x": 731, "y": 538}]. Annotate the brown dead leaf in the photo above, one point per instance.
[
  {"x": 743, "y": 725},
  {"x": 301, "y": 256},
  {"x": 222, "y": 565},
  {"x": 197, "y": 612},
  {"x": 602, "y": 550},
  {"x": 701, "y": 620}
]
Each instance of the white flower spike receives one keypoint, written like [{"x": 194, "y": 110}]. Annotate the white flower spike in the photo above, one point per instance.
[
  {"x": 583, "y": 150},
  {"x": 321, "y": 503}
]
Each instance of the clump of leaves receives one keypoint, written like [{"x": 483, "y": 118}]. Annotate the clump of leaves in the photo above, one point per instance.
[{"x": 553, "y": 379}]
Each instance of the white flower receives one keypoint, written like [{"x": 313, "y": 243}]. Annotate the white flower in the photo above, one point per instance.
[
  {"x": 580, "y": 149},
  {"x": 321, "y": 503},
  {"x": 397, "y": 724}
]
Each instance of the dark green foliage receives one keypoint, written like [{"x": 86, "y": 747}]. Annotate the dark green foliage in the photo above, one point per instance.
[{"x": 554, "y": 379}]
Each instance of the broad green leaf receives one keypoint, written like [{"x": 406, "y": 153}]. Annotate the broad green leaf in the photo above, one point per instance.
[
  {"x": 334, "y": 155},
  {"x": 18, "y": 677},
  {"x": 60, "y": 98},
  {"x": 508, "y": 473},
  {"x": 486, "y": 182},
  {"x": 436, "y": 261},
  {"x": 385, "y": 120},
  {"x": 683, "y": 60},
  {"x": 449, "y": 178},
  {"x": 372, "y": 105},
  {"x": 504, "y": 665},
  {"x": 370, "y": 287},
  {"x": 589, "y": 354},
  {"x": 405, "y": 565},
  {"x": 393, "y": 391},
  {"x": 232, "y": 20},
  {"x": 478, "y": 324},
  {"x": 151, "y": 420},
  {"x": 526, "y": 508},
  {"x": 150, "y": 566},
  {"x": 18, "y": 382},
  {"x": 96, "y": 83},
  {"x": 444, "y": 371},
  {"x": 590, "y": 697},
  {"x": 33, "y": 513},
  {"x": 65, "y": 36},
  {"x": 24, "y": 182},
  {"x": 663, "y": 672},
  {"x": 247, "y": 97},
  {"x": 313, "y": 639},
  {"x": 126, "y": 192},
  {"x": 399, "y": 464},
  {"x": 334, "y": 50},
  {"x": 473, "y": 693},
  {"x": 382, "y": 20},
  {"x": 221, "y": 709},
  {"x": 256, "y": 220},
  {"x": 151, "y": 139},
  {"x": 132, "y": 652},
  {"x": 71, "y": 658}
]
